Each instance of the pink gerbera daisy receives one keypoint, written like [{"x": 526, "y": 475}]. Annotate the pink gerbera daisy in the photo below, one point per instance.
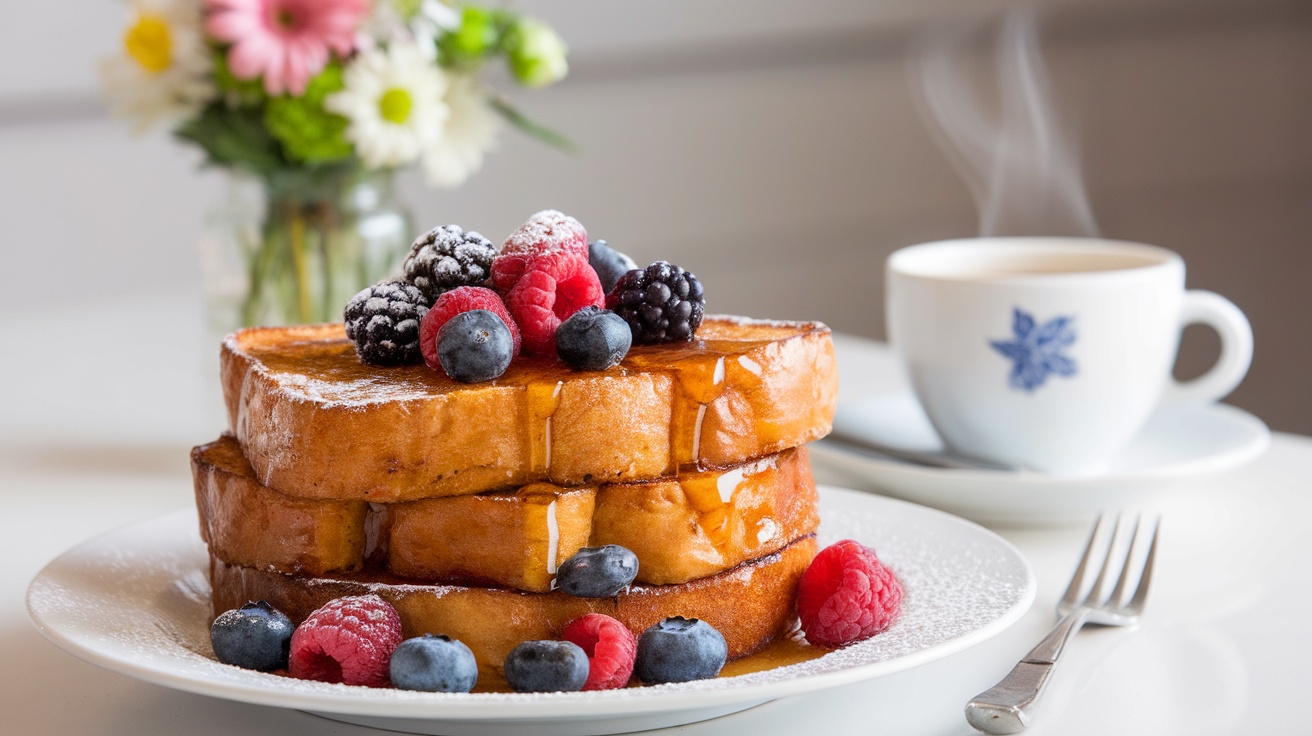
[{"x": 287, "y": 41}]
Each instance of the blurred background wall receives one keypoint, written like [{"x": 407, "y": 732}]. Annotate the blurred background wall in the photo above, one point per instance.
[{"x": 778, "y": 149}]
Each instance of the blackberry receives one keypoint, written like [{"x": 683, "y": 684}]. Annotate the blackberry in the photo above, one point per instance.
[
  {"x": 383, "y": 320},
  {"x": 661, "y": 303},
  {"x": 446, "y": 257}
]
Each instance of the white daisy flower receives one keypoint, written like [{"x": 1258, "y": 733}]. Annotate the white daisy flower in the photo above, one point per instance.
[
  {"x": 429, "y": 21},
  {"x": 163, "y": 74},
  {"x": 421, "y": 21},
  {"x": 393, "y": 100},
  {"x": 469, "y": 133}
]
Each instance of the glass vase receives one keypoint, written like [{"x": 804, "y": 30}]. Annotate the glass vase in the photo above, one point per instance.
[{"x": 293, "y": 248}]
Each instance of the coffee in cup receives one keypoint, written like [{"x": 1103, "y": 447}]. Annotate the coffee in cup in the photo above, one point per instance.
[{"x": 1051, "y": 353}]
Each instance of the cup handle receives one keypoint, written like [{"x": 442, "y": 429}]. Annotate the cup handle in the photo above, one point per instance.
[{"x": 1219, "y": 313}]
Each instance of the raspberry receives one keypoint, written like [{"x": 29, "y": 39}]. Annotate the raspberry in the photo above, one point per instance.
[
  {"x": 610, "y": 646},
  {"x": 348, "y": 640},
  {"x": 553, "y": 287},
  {"x": 546, "y": 232},
  {"x": 846, "y": 595},
  {"x": 456, "y": 301}
]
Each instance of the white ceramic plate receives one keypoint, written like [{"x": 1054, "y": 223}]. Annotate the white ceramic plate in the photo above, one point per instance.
[
  {"x": 1178, "y": 446},
  {"x": 136, "y": 601}
]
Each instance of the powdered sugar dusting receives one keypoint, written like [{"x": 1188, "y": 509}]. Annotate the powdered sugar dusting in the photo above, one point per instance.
[
  {"x": 548, "y": 227},
  {"x": 135, "y": 600}
]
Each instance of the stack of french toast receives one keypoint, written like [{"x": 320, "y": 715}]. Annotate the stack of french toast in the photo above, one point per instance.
[{"x": 458, "y": 502}]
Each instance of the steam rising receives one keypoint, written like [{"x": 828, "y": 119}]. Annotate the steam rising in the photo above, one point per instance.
[{"x": 1022, "y": 171}]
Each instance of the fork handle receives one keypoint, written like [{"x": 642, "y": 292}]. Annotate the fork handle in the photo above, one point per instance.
[{"x": 1008, "y": 706}]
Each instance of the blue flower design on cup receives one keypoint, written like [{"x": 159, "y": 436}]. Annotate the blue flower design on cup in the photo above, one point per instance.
[{"x": 1036, "y": 351}]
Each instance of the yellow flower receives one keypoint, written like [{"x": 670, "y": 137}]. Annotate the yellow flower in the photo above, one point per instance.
[
  {"x": 163, "y": 73},
  {"x": 149, "y": 42}
]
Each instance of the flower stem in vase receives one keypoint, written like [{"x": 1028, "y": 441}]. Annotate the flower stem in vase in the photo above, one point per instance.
[
  {"x": 301, "y": 268},
  {"x": 326, "y": 265},
  {"x": 258, "y": 270}
]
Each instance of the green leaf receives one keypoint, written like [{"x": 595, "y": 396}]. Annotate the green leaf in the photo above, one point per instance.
[
  {"x": 235, "y": 138},
  {"x": 475, "y": 37},
  {"x": 247, "y": 91},
  {"x": 308, "y": 132},
  {"x": 530, "y": 128}
]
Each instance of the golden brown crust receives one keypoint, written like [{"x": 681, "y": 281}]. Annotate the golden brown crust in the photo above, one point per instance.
[
  {"x": 750, "y": 605},
  {"x": 681, "y": 529},
  {"x": 502, "y": 540},
  {"x": 315, "y": 422},
  {"x": 257, "y": 526},
  {"x": 701, "y": 524}
]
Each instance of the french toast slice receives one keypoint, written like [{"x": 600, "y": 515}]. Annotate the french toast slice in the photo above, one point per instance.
[
  {"x": 315, "y": 422},
  {"x": 751, "y": 605},
  {"x": 689, "y": 527}
]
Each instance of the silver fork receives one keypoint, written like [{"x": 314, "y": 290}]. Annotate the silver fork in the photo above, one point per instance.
[{"x": 1008, "y": 706}]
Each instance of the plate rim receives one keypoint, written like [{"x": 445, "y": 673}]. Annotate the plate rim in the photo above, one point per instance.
[{"x": 560, "y": 706}]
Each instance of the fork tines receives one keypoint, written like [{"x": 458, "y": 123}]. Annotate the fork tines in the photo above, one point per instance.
[{"x": 1116, "y": 549}]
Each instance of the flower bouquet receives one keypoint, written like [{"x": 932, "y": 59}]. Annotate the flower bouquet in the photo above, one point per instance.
[{"x": 319, "y": 102}]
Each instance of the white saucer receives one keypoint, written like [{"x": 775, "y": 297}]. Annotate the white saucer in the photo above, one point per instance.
[
  {"x": 1178, "y": 445},
  {"x": 136, "y": 601}
]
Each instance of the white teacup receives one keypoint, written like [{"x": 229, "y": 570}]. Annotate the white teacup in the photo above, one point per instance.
[{"x": 1051, "y": 353}]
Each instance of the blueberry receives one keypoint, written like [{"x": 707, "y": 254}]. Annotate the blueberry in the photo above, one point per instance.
[
  {"x": 256, "y": 636},
  {"x": 609, "y": 264},
  {"x": 593, "y": 339},
  {"x": 475, "y": 346},
  {"x": 597, "y": 572},
  {"x": 680, "y": 649},
  {"x": 434, "y": 664},
  {"x": 546, "y": 666}
]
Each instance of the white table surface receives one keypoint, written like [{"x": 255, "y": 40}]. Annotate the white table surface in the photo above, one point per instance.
[{"x": 95, "y": 431}]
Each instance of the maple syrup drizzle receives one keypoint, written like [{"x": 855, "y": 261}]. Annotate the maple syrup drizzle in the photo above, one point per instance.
[
  {"x": 547, "y": 444},
  {"x": 697, "y": 434},
  {"x": 553, "y": 537}
]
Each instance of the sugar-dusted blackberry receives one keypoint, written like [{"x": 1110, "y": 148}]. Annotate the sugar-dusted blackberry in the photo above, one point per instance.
[
  {"x": 661, "y": 303},
  {"x": 446, "y": 257},
  {"x": 383, "y": 320}
]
